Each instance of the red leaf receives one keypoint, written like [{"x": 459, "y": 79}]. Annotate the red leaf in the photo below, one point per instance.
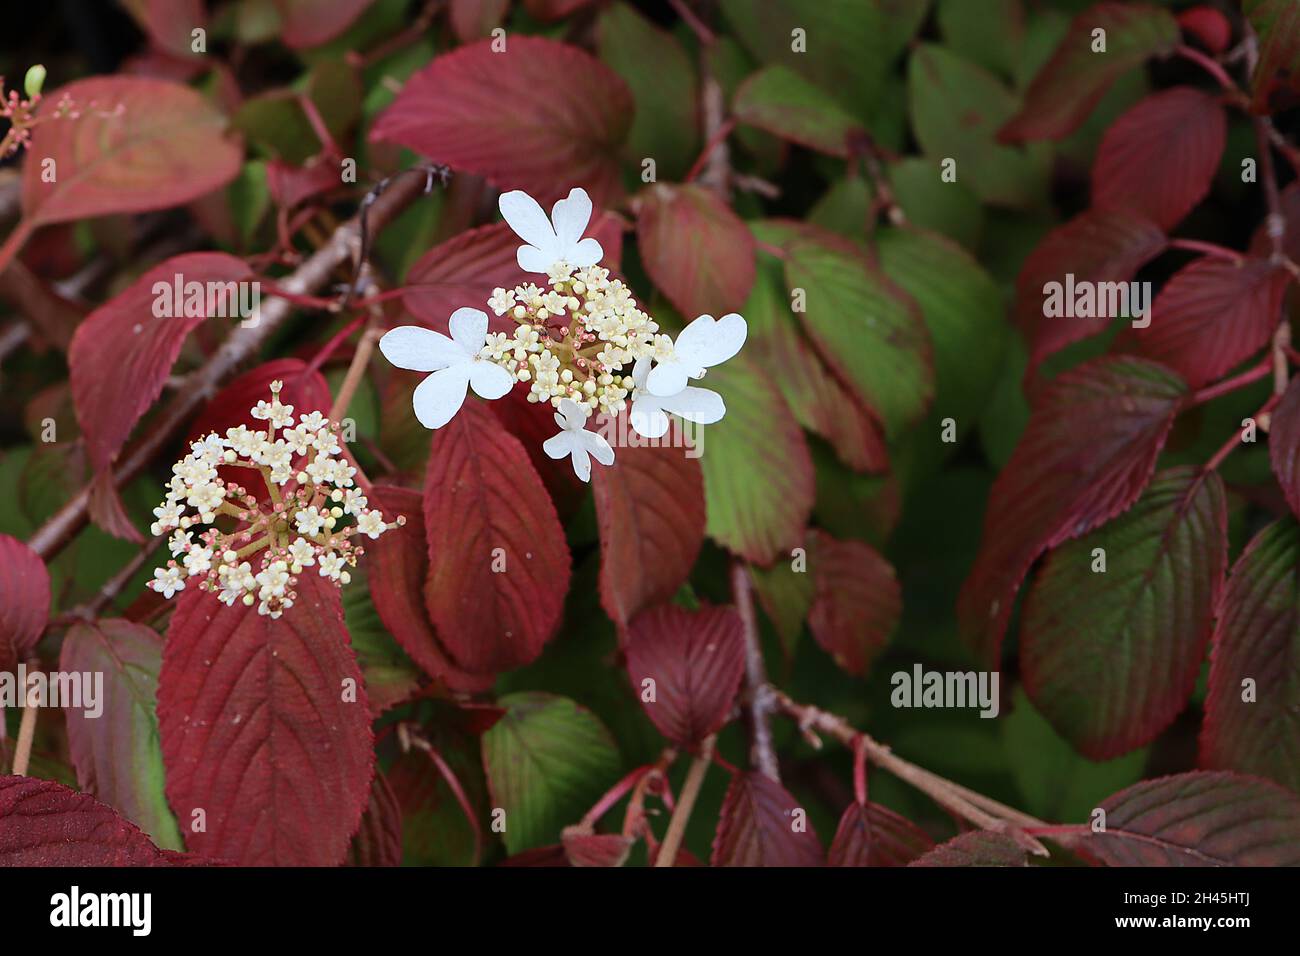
[
  {"x": 757, "y": 827},
  {"x": 977, "y": 848},
  {"x": 1212, "y": 315},
  {"x": 475, "y": 19},
  {"x": 1255, "y": 727},
  {"x": 1159, "y": 158},
  {"x": 1099, "y": 246},
  {"x": 260, "y": 729},
  {"x": 1284, "y": 444},
  {"x": 24, "y": 601},
  {"x": 43, "y": 823},
  {"x": 697, "y": 251},
  {"x": 1277, "y": 26},
  {"x": 1087, "y": 453},
  {"x": 696, "y": 659},
  {"x": 308, "y": 23},
  {"x": 498, "y": 560},
  {"x": 857, "y": 601},
  {"x": 532, "y": 423},
  {"x": 1209, "y": 26},
  {"x": 583, "y": 847},
  {"x": 123, "y": 352},
  {"x": 650, "y": 510},
  {"x": 540, "y": 116},
  {"x": 138, "y": 144},
  {"x": 379, "y": 840},
  {"x": 872, "y": 835},
  {"x": 398, "y": 565},
  {"x": 168, "y": 22},
  {"x": 107, "y": 510},
  {"x": 1068, "y": 87}
]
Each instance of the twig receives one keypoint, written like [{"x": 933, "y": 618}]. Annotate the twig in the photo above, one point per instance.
[
  {"x": 356, "y": 371},
  {"x": 26, "y": 733},
  {"x": 756, "y": 693},
  {"x": 685, "y": 804}
]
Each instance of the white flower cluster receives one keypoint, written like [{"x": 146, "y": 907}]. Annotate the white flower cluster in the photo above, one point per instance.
[{"x": 310, "y": 488}]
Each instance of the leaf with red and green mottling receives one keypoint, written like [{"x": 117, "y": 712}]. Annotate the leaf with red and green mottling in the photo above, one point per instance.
[
  {"x": 43, "y": 823},
  {"x": 266, "y": 728},
  {"x": 24, "y": 601},
  {"x": 378, "y": 841},
  {"x": 1072, "y": 82},
  {"x": 857, "y": 600},
  {"x": 977, "y": 848},
  {"x": 309, "y": 23},
  {"x": 397, "y": 566},
  {"x": 1199, "y": 819},
  {"x": 786, "y": 595},
  {"x": 1099, "y": 246},
  {"x": 117, "y": 754},
  {"x": 872, "y": 835},
  {"x": 1277, "y": 25},
  {"x": 1284, "y": 444},
  {"x": 1159, "y": 158},
  {"x": 783, "y": 103},
  {"x": 547, "y": 761},
  {"x": 650, "y": 512},
  {"x": 541, "y": 116},
  {"x": 1255, "y": 727},
  {"x": 695, "y": 659},
  {"x": 867, "y": 329},
  {"x": 1087, "y": 453},
  {"x": 1212, "y": 315},
  {"x": 122, "y": 354},
  {"x": 1110, "y": 657},
  {"x": 758, "y": 475},
  {"x": 758, "y": 826},
  {"x": 584, "y": 847},
  {"x": 697, "y": 251},
  {"x": 498, "y": 560}
]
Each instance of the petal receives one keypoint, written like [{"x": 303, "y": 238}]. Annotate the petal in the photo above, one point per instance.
[
  {"x": 439, "y": 397},
  {"x": 534, "y": 260},
  {"x": 700, "y": 405},
  {"x": 581, "y": 462},
  {"x": 640, "y": 371},
  {"x": 528, "y": 219},
  {"x": 570, "y": 217},
  {"x": 586, "y": 253},
  {"x": 469, "y": 329},
  {"x": 667, "y": 378},
  {"x": 705, "y": 342},
  {"x": 598, "y": 447},
  {"x": 575, "y": 415},
  {"x": 489, "y": 380},
  {"x": 648, "y": 418},
  {"x": 558, "y": 446},
  {"x": 420, "y": 350}
]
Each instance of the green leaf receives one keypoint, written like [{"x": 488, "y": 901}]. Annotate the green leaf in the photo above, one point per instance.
[
  {"x": 988, "y": 32},
  {"x": 390, "y": 676},
  {"x": 779, "y": 100},
  {"x": 929, "y": 202}
]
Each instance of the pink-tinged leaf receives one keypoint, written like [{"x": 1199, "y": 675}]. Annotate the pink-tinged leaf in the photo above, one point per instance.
[
  {"x": 474, "y": 19},
  {"x": 583, "y": 847},
  {"x": 107, "y": 510},
  {"x": 1209, "y": 26},
  {"x": 857, "y": 600},
  {"x": 1155, "y": 598},
  {"x": 309, "y": 23},
  {"x": 265, "y": 728},
  {"x": 123, "y": 352},
  {"x": 498, "y": 560},
  {"x": 783, "y": 103},
  {"x": 872, "y": 835},
  {"x": 43, "y": 823},
  {"x": 541, "y": 116},
  {"x": 1277, "y": 25},
  {"x": 1200, "y": 819},
  {"x": 136, "y": 145},
  {"x": 650, "y": 511},
  {"x": 117, "y": 753},
  {"x": 1070, "y": 84},
  {"x": 1159, "y": 158},
  {"x": 378, "y": 842},
  {"x": 977, "y": 848},
  {"x": 1251, "y": 721},
  {"x": 1096, "y": 248},
  {"x": 397, "y": 567},
  {"x": 1087, "y": 453},
  {"x": 763, "y": 825},
  {"x": 695, "y": 659},
  {"x": 697, "y": 251},
  {"x": 1284, "y": 444},
  {"x": 24, "y": 601},
  {"x": 1212, "y": 315},
  {"x": 168, "y": 23}
]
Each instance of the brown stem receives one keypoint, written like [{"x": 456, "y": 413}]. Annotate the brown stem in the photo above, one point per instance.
[
  {"x": 756, "y": 694},
  {"x": 26, "y": 734},
  {"x": 356, "y": 371},
  {"x": 685, "y": 804}
]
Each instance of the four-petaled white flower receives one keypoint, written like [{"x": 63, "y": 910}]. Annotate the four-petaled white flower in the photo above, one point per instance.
[
  {"x": 576, "y": 441},
  {"x": 455, "y": 363},
  {"x": 554, "y": 240},
  {"x": 703, "y": 343},
  {"x": 649, "y": 411}
]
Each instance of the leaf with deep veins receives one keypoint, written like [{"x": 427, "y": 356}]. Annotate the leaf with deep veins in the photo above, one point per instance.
[
  {"x": 24, "y": 601},
  {"x": 977, "y": 848},
  {"x": 757, "y": 827},
  {"x": 43, "y": 823},
  {"x": 872, "y": 835}
]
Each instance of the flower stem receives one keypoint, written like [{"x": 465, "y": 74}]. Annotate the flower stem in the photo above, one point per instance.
[{"x": 685, "y": 804}]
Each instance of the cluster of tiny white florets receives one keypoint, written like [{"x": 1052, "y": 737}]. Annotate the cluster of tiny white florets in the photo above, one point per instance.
[
  {"x": 311, "y": 490},
  {"x": 577, "y": 340}
]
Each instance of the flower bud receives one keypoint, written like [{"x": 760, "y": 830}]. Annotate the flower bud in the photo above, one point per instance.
[{"x": 34, "y": 80}]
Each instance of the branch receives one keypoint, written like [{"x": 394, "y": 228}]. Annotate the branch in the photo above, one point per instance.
[
  {"x": 685, "y": 803},
  {"x": 756, "y": 694}
]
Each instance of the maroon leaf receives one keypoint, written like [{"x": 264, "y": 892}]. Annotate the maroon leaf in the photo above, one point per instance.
[
  {"x": 1212, "y": 315},
  {"x": 379, "y": 840},
  {"x": 1087, "y": 453},
  {"x": 475, "y": 19},
  {"x": 1200, "y": 819},
  {"x": 583, "y": 847},
  {"x": 1159, "y": 158},
  {"x": 540, "y": 116},
  {"x": 857, "y": 601},
  {"x": 498, "y": 560},
  {"x": 763, "y": 825},
  {"x": 695, "y": 659},
  {"x": 43, "y": 823},
  {"x": 872, "y": 835},
  {"x": 1207, "y": 25},
  {"x": 308, "y": 23},
  {"x": 24, "y": 601},
  {"x": 123, "y": 352},
  {"x": 265, "y": 728},
  {"x": 168, "y": 22},
  {"x": 1277, "y": 25},
  {"x": 650, "y": 510},
  {"x": 977, "y": 848},
  {"x": 1284, "y": 444},
  {"x": 1251, "y": 721}
]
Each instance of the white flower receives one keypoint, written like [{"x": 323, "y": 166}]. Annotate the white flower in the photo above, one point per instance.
[
  {"x": 455, "y": 362},
  {"x": 310, "y": 521},
  {"x": 198, "y": 561},
  {"x": 302, "y": 552},
  {"x": 179, "y": 541},
  {"x": 371, "y": 524},
  {"x": 649, "y": 411},
  {"x": 167, "y": 581},
  {"x": 703, "y": 343},
  {"x": 575, "y": 441},
  {"x": 331, "y": 565},
  {"x": 552, "y": 241}
]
